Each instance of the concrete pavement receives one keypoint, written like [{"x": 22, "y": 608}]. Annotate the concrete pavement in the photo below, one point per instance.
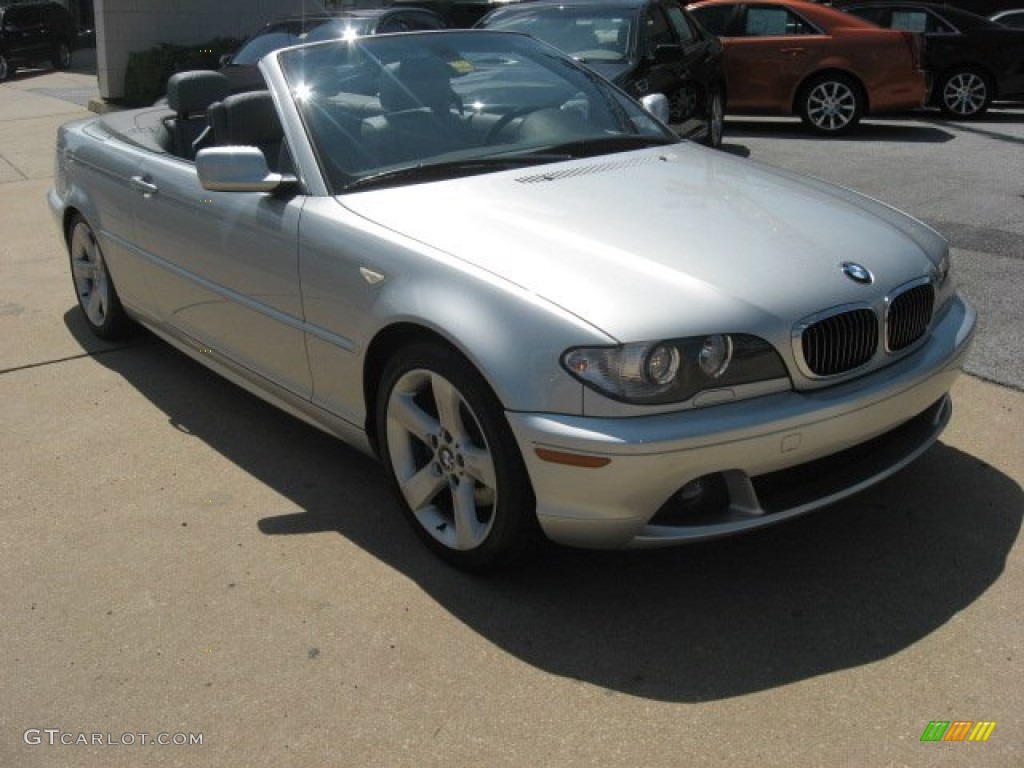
[{"x": 178, "y": 558}]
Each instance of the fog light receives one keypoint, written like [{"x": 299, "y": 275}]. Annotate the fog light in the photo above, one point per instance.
[{"x": 692, "y": 492}]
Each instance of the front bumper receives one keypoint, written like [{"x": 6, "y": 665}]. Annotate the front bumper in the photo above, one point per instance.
[{"x": 757, "y": 447}]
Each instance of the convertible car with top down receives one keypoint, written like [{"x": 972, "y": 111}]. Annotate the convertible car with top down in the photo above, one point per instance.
[{"x": 472, "y": 257}]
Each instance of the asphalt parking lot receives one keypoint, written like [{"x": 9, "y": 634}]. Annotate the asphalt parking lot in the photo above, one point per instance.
[{"x": 183, "y": 563}]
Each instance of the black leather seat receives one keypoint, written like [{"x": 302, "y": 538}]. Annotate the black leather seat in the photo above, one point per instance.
[
  {"x": 190, "y": 94},
  {"x": 250, "y": 120},
  {"x": 421, "y": 113}
]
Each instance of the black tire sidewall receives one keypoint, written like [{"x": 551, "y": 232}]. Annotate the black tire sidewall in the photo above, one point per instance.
[{"x": 515, "y": 522}]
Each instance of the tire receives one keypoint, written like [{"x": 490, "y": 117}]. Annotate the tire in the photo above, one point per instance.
[
  {"x": 682, "y": 104},
  {"x": 831, "y": 105},
  {"x": 715, "y": 119},
  {"x": 964, "y": 93},
  {"x": 61, "y": 56},
  {"x": 6, "y": 70},
  {"x": 452, "y": 459},
  {"x": 97, "y": 297}
]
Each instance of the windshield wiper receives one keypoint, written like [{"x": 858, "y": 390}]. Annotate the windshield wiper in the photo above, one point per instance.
[{"x": 452, "y": 168}]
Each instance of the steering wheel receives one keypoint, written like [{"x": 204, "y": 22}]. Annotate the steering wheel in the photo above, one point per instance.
[{"x": 495, "y": 130}]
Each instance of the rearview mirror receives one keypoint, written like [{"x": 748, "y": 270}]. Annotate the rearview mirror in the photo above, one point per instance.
[{"x": 238, "y": 169}]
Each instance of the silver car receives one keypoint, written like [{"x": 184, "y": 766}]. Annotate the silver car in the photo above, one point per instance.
[{"x": 471, "y": 257}]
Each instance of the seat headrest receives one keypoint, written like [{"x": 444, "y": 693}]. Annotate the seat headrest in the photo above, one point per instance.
[
  {"x": 189, "y": 92},
  {"x": 246, "y": 119},
  {"x": 424, "y": 81}
]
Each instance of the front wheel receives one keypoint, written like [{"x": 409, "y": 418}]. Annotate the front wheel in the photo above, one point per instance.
[
  {"x": 453, "y": 460},
  {"x": 831, "y": 104},
  {"x": 96, "y": 294},
  {"x": 964, "y": 93},
  {"x": 6, "y": 70},
  {"x": 715, "y": 119}
]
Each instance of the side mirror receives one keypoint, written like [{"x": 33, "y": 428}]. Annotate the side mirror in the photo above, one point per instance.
[
  {"x": 657, "y": 105},
  {"x": 238, "y": 169},
  {"x": 225, "y": 59}
]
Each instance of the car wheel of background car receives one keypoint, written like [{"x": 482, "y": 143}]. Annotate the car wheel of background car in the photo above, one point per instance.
[
  {"x": 715, "y": 119},
  {"x": 682, "y": 103},
  {"x": 6, "y": 70},
  {"x": 453, "y": 460},
  {"x": 964, "y": 93},
  {"x": 831, "y": 104},
  {"x": 61, "y": 58},
  {"x": 95, "y": 290}
]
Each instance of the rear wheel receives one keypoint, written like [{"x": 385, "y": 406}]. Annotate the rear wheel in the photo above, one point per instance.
[
  {"x": 453, "y": 460},
  {"x": 96, "y": 294},
  {"x": 61, "y": 56},
  {"x": 831, "y": 104},
  {"x": 964, "y": 93},
  {"x": 6, "y": 70}
]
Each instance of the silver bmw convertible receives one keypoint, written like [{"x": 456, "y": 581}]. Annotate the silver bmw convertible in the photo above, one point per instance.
[{"x": 474, "y": 258}]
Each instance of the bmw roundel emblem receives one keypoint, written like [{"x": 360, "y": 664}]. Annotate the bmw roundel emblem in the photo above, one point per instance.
[{"x": 857, "y": 273}]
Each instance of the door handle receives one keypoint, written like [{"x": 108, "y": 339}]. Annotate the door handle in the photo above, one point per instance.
[{"x": 147, "y": 188}]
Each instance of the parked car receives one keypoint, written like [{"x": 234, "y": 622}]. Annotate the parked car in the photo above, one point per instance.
[
  {"x": 643, "y": 46},
  {"x": 240, "y": 67},
  {"x": 789, "y": 57},
  {"x": 1013, "y": 18},
  {"x": 973, "y": 60},
  {"x": 35, "y": 32},
  {"x": 501, "y": 275}
]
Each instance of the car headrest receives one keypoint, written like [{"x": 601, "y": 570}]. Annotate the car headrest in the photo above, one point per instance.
[
  {"x": 424, "y": 81},
  {"x": 189, "y": 92},
  {"x": 246, "y": 119}
]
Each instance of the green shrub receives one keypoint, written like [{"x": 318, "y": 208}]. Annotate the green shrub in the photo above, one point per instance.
[{"x": 145, "y": 79}]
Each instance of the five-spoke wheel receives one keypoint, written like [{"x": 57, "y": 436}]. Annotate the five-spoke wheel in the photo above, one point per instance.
[{"x": 453, "y": 459}]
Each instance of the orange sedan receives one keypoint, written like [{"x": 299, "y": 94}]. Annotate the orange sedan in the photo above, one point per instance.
[{"x": 797, "y": 58}]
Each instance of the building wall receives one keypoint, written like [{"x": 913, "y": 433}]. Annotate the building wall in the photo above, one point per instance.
[{"x": 123, "y": 26}]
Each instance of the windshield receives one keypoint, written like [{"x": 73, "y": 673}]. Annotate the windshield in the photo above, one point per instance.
[
  {"x": 454, "y": 103},
  {"x": 587, "y": 33}
]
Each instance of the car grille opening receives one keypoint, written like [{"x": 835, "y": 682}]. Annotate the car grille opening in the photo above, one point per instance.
[
  {"x": 840, "y": 343},
  {"x": 908, "y": 317}
]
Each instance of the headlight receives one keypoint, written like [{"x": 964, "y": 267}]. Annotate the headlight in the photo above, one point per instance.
[
  {"x": 941, "y": 274},
  {"x": 675, "y": 370}
]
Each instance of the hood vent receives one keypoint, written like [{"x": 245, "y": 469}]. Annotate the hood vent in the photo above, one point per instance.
[{"x": 586, "y": 170}]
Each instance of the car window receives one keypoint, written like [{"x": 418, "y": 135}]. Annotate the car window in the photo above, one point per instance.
[
  {"x": 591, "y": 33},
  {"x": 919, "y": 20},
  {"x": 680, "y": 24},
  {"x": 261, "y": 45},
  {"x": 714, "y": 18},
  {"x": 417, "y": 21},
  {"x": 393, "y": 24},
  {"x": 657, "y": 29},
  {"x": 1013, "y": 19},
  {"x": 771, "y": 21},
  {"x": 877, "y": 16}
]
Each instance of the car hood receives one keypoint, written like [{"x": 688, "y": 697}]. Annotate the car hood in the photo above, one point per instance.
[{"x": 664, "y": 242}]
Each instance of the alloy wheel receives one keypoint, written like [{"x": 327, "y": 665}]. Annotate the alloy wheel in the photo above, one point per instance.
[
  {"x": 965, "y": 94},
  {"x": 92, "y": 284},
  {"x": 441, "y": 461},
  {"x": 831, "y": 106}
]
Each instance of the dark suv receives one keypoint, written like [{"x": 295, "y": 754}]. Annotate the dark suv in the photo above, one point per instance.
[{"x": 34, "y": 32}]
